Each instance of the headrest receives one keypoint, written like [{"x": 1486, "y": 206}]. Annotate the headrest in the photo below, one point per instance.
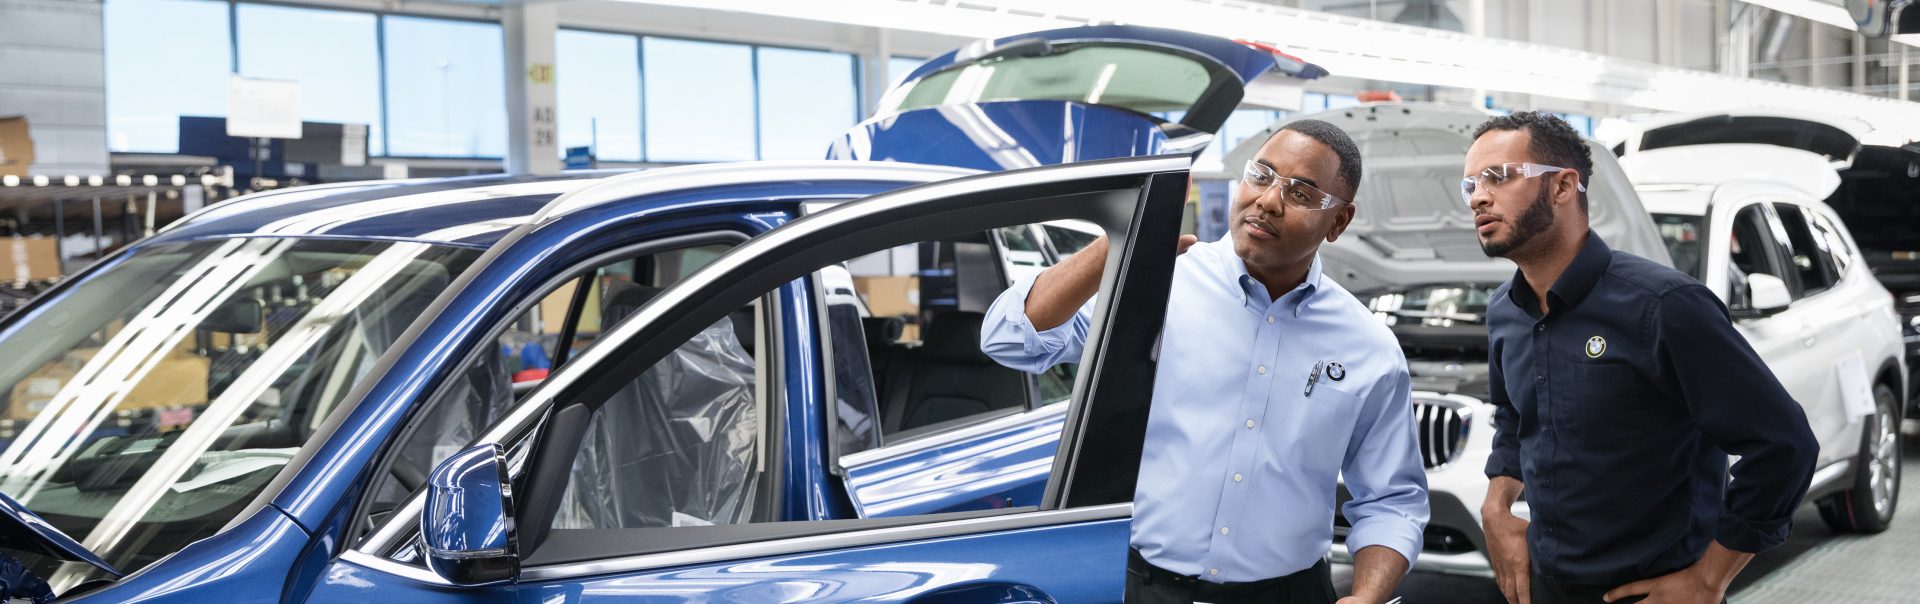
[
  {"x": 882, "y": 331},
  {"x": 953, "y": 337},
  {"x": 626, "y": 298}
]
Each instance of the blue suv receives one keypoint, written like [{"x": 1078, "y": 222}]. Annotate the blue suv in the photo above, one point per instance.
[{"x": 746, "y": 382}]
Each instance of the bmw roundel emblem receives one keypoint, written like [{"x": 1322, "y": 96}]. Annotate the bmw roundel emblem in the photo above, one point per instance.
[
  {"x": 1335, "y": 372},
  {"x": 1596, "y": 346}
]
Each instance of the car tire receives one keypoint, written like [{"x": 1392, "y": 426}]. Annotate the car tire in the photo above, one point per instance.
[{"x": 1868, "y": 506}]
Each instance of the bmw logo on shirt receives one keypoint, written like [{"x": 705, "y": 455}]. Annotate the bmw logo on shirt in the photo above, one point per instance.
[{"x": 1596, "y": 346}]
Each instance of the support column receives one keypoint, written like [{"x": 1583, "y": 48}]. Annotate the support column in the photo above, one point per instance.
[
  {"x": 533, "y": 127},
  {"x": 1859, "y": 63},
  {"x": 1903, "y": 69},
  {"x": 873, "y": 71}
]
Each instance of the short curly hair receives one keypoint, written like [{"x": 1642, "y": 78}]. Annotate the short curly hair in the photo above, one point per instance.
[
  {"x": 1550, "y": 141},
  {"x": 1336, "y": 139}
]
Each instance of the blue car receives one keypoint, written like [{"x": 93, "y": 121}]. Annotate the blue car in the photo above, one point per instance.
[{"x": 739, "y": 382}]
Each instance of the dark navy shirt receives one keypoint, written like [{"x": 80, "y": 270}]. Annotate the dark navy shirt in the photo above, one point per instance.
[{"x": 1618, "y": 409}]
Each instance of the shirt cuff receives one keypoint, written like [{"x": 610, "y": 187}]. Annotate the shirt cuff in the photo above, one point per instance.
[
  {"x": 1397, "y": 533},
  {"x": 1033, "y": 341},
  {"x": 1742, "y": 535},
  {"x": 1499, "y": 465}
]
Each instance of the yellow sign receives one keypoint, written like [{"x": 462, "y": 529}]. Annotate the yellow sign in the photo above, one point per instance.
[{"x": 540, "y": 73}]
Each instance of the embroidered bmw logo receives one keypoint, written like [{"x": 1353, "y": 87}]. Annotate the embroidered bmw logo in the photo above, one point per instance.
[
  {"x": 1335, "y": 372},
  {"x": 1596, "y": 346}
]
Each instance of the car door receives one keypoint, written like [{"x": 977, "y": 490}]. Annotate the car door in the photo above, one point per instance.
[
  {"x": 1070, "y": 547},
  {"x": 1833, "y": 333},
  {"x": 1747, "y": 239}
]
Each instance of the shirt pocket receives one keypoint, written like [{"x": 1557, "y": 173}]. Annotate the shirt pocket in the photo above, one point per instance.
[
  {"x": 1602, "y": 400},
  {"x": 1319, "y": 428}
]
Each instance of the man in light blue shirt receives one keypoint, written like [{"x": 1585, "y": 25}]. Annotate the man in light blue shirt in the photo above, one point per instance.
[{"x": 1274, "y": 385}]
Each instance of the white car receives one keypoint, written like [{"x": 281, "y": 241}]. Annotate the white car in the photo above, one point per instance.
[{"x": 1411, "y": 254}]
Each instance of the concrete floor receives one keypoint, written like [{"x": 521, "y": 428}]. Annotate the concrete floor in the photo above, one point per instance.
[{"x": 1815, "y": 565}]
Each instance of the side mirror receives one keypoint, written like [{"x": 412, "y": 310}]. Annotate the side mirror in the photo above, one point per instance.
[
  {"x": 1769, "y": 293},
  {"x": 467, "y": 524}
]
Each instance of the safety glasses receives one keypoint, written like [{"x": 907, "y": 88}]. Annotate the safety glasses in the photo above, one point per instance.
[
  {"x": 1258, "y": 179},
  {"x": 1501, "y": 174}
]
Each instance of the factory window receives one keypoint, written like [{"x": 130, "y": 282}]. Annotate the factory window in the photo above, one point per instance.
[
  {"x": 445, "y": 93},
  {"x": 899, "y": 67},
  {"x": 334, "y": 55},
  {"x": 165, "y": 59},
  {"x": 807, "y": 97},
  {"x": 699, "y": 100},
  {"x": 599, "y": 93}
]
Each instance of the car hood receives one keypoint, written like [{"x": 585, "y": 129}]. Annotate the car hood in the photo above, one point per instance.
[
  {"x": 954, "y": 110},
  {"x": 1411, "y": 227},
  {"x": 21, "y": 529}
]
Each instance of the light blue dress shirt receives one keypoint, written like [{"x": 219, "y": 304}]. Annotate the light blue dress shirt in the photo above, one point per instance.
[{"x": 1238, "y": 477}]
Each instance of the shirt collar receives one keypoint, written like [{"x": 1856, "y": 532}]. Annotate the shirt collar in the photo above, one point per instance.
[
  {"x": 1574, "y": 283},
  {"x": 1253, "y": 293}
]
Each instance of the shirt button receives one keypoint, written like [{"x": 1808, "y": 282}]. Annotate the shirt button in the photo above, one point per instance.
[
  {"x": 1269, "y": 319},
  {"x": 1262, "y": 370},
  {"x": 1236, "y": 477},
  {"x": 1223, "y": 530},
  {"x": 1249, "y": 424}
]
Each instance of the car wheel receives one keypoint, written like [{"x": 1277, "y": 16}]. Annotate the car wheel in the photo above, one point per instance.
[{"x": 1868, "y": 506}]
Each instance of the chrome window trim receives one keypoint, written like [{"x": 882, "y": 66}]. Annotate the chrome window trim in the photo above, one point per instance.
[
  {"x": 931, "y": 441},
  {"x": 850, "y": 539},
  {"x": 748, "y": 254}
]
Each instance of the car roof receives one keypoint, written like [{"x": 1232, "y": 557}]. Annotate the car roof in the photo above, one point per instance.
[
  {"x": 479, "y": 211},
  {"x": 472, "y": 210}
]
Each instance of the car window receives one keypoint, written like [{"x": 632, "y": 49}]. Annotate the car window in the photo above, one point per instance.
[
  {"x": 682, "y": 444},
  {"x": 1683, "y": 235},
  {"x": 564, "y": 323},
  {"x": 1751, "y": 250},
  {"x": 1066, "y": 241},
  {"x": 1811, "y": 261},
  {"x": 1838, "y": 254},
  {"x": 920, "y": 340}
]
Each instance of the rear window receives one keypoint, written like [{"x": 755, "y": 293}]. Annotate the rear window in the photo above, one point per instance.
[{"x": 1138, "y": 79}]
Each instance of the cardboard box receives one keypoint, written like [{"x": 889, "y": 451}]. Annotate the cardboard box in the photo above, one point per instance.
[
  {"x": 29, "y": 258},
  {"x": 892, "y": 296},
  {"x": 16, "y": 147}
]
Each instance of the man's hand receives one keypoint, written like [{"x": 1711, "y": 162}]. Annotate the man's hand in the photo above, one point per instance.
[
  {"x": 1705, "y": 582},
  {"x": 1684, "y": 586},
  {"x": 1507, "y": 551},
  {"x": 1187, "y": 241}
]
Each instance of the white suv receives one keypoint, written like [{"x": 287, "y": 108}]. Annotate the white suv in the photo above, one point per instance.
[{"x": 1411, "y": 255}]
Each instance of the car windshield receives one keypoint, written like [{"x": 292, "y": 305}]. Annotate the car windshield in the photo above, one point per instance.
[
  {"x": 1683, "y": 235},
  {"x": 1138, "y": 79},
  {"x": 155, "y": 398}
]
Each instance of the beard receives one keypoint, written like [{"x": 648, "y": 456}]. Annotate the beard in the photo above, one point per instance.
[{"x": 1534, "y": 220}]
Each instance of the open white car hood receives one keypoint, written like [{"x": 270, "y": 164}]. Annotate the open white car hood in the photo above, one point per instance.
[{"x": 1411, "y": 227}]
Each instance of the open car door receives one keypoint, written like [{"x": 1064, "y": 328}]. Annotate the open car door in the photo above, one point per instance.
[{"x": 664, "y": 463}]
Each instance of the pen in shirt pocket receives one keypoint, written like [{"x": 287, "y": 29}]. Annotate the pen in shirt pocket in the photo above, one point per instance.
[{"x": 1313, "y": 376}]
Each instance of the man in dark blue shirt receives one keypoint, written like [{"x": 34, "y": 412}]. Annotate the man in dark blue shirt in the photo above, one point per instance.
[{"x": 1619, "y": 389}]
